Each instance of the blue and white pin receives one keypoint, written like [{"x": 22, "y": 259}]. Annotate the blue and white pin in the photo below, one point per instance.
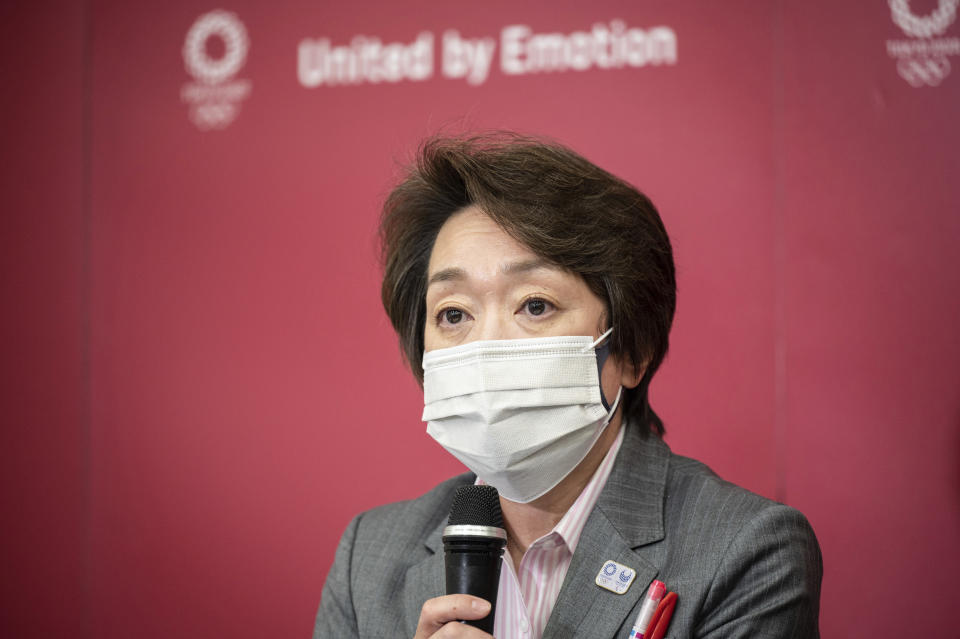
[{"x": 615, "y": 577}]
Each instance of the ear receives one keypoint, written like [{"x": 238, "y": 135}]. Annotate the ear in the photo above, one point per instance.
[{"x": 631, "y": 374}]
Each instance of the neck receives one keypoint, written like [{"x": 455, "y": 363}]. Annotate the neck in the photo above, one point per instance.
[{"x": 525, "y": 523}]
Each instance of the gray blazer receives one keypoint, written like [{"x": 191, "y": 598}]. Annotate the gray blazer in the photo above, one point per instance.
[{"x": 741, "y": 565}]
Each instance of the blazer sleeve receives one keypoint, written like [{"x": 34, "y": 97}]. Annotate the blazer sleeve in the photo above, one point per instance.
[
  {"x": 336, "y": 616},
  {"x": 768, "y": 582}
]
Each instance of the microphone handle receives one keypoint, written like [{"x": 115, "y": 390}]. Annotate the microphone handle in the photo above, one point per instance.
[{"x": 473, "y": 568}]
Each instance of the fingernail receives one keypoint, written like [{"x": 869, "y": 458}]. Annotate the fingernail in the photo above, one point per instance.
[{"x": 480, "y": 605}]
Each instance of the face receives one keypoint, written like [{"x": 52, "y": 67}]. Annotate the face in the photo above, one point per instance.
[{"x": 484, "y": 285}]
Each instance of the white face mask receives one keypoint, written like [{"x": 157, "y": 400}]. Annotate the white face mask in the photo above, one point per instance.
[{"x": 522, "y": 413}]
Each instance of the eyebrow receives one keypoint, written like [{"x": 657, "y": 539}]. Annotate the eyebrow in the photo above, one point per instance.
[
  {"x": 447, "y": 275},
  {"x": 455, "y": 273}
]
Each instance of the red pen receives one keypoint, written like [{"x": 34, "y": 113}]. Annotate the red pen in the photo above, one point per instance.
[{"x": 661, "y": 618}]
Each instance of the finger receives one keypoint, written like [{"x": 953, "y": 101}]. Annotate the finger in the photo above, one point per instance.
[
  {"x": 439, "y": 611},
  {"x": 459, "y": 630}
]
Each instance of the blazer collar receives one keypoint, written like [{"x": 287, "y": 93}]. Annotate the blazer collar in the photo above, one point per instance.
[{"x": 632, "y": 498}]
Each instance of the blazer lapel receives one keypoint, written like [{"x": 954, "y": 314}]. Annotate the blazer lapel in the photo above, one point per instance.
[
  {"x": 425, "y": 580},
  {"x": 583, "y": 608},
  {"x": 628, "y": 514}
]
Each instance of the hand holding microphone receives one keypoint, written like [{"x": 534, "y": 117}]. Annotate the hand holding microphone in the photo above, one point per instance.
[
  {"x": 442, "y": 617},
  {"x": 473, "y": 545}
]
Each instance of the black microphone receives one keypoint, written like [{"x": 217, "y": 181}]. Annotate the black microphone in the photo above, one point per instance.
[{"x": 473, "y": 543}]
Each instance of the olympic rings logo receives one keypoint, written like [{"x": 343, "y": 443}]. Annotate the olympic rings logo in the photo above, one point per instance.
[{"x": 227, "y": 26}]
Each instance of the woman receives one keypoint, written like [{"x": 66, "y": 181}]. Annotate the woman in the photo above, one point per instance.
[{"x": 533, "y": 295}]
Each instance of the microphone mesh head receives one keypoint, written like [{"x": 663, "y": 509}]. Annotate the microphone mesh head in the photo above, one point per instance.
[{"x": 476, "y": 506}]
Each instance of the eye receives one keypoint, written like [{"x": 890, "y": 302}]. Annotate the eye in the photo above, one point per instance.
[
  {"x": 536, "y": 306},
  {"x": 450, "y": 317}
]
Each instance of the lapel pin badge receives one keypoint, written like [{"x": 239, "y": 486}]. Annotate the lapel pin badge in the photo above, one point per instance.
[{"x": 615, "y": 577}]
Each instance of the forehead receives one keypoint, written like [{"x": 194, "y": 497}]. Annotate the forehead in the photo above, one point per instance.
[
  {"x": 470, "y": 234},
  {"x": 471, "y": 248}
]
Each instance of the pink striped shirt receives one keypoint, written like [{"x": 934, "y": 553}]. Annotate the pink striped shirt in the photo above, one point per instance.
[{"x": 526, "y": 597}]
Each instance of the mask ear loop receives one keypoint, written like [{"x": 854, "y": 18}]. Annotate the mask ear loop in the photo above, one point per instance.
[
  {"x": 613, "y": 409},
  {"x": 598, "y": 340},
  {"x": 601, "y": 354}
]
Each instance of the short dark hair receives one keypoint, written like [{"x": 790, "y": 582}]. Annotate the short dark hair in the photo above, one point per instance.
[{"x": 566, "y": 210}]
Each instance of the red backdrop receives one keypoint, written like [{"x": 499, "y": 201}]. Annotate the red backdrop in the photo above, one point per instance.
[{"x": 200, "y": 388}]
